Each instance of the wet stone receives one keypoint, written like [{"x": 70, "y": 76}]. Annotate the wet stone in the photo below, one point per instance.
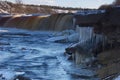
[
  {"x": 4, "y": 43},
  {"x": 22, "y": 78}
]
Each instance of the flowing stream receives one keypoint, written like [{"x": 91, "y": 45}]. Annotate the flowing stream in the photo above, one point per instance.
[{"x": 28, "y": 52}]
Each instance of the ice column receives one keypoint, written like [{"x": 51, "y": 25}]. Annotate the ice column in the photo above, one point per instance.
[{"x": 85, "y": 33}]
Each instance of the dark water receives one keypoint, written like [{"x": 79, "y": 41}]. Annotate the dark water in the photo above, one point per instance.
[{"x": 29, "y": 52}]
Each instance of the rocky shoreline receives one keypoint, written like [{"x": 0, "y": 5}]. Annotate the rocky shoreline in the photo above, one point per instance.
[
  {"x": 105, "y": 59},
  {"x": 98, "y": 48}
]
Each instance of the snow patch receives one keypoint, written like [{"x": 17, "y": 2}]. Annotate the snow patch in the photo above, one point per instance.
[
  {"x": 3, "y": 31},
  {"x": 88, "y": 12},
  {"x": 118, "y": 78}
]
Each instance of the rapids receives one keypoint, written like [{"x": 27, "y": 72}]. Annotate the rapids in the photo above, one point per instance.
[{"x": 29, "y": 52}]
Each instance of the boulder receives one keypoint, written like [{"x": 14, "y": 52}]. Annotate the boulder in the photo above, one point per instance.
[
  {"x": 109, "y": 71},
  {"x": 110, "y": 56}
]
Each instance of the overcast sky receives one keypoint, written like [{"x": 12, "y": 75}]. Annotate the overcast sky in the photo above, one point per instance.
[{"x": 69, "y": 3}]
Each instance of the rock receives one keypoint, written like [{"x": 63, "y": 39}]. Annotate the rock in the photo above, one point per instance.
[
  {"x": 64, "y": 39},
  {"x": 59, "y": 39},
  {"x": 4, "y": 43},
  {"x": 23, "y": 49},
  {"x": 110, "y": 56},
  {"x": 111, "y": 63},
  {"x": 82, "y": 73},
  {"x": 110, "y": 71},
  {"x": 22, "y": 78},
  {"x": 117, "y": 78}
]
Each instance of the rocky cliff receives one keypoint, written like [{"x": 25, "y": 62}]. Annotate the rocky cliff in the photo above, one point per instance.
[{"x": 105, "y": 53}]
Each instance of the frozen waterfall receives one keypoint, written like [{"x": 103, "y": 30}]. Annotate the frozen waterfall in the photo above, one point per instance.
[{"x": 85, "y": 33}]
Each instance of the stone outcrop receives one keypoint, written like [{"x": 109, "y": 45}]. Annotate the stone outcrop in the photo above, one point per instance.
[
  {"x": 88, "y": 20},
  {"x": 111, "y": 63},
  {"x": 107, "y": 58}
]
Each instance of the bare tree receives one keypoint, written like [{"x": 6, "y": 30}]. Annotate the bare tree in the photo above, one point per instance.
[
  {"x": 116, "y": 2},
  {"x": 19, "y": 6},
  {"x": 19, "y": 2}
]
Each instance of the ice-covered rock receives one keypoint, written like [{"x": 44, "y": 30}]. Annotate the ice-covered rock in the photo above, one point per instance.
[
  {"x": 85, "y": 33},
  {"x": 58, "y": 39},
  {"x": 65, "y": 32},
  {"x": 67, "y": 38}
]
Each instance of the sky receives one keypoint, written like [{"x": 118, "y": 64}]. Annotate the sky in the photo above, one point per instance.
[{"x": 69, "y": 3}]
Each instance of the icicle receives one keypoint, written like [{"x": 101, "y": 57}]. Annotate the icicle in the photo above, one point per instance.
[{"x": 85, "y": 33}]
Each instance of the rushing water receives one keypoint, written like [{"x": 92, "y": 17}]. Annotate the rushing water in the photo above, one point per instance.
[{"x": 29, "y": 52}]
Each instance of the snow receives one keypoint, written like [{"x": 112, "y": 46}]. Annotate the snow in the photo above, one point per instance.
[
  {"x": 3, "y": 31},
  {"x": 87, "y": 12},
  {"x": 118, "y": 78},
  {"x": 63, "y": 11},
  {"x": 4, "y": 7},
  {"x": 35, "y": 14},
  {"x": 2, "y": 11}
]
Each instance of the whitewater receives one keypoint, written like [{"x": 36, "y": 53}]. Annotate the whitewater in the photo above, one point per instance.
[{"x": 29, "y": 54}]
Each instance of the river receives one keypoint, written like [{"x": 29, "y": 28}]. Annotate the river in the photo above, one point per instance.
[{"x": 29, "y": 53}]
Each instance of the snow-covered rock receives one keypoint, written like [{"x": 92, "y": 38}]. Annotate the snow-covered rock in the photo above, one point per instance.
[
  {"x": 3, "y": 11},
  {"x": 4, "y": 7}
]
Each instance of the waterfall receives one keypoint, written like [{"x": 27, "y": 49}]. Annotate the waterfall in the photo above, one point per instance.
[{"x": 55, "y": 22}]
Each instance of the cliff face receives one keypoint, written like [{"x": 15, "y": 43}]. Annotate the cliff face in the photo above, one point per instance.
[
  {"x": 106, "y": 23},
  {"x": 110, "y": 26},
  {"x": 88, "y": 19},
  {"x": 105, "y": 49}
]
